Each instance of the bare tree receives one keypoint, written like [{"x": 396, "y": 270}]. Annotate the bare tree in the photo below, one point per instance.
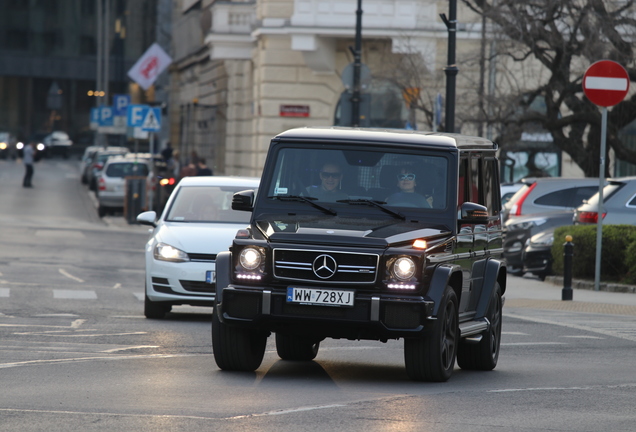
[{"x": 565, "y": 37}]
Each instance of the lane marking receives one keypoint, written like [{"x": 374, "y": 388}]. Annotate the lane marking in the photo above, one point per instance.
[
  {"x": 74, "y": 294},
  {"x": 70, "y": 276},
  {"x": 5, "y": 292},
  {"x": 77, "y": 323},
  {"x": 532, "y": 343},
  {"x": 99, "y": 358},
  {"x": 130, "y": 348},
  {"x": 532, "y": 389},
  {"x": 573, "y": 326},
  {"x": 117, "y": 286}
]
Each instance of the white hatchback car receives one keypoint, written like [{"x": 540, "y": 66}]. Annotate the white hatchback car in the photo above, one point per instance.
[{"x": 197, "y": 223}]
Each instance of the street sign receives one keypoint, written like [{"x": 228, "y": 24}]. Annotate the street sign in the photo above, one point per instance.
[
  {"x": 120, "y": 104},
  {"x": 606, "y": 83},
  {"x": 136, "y": 115},
  {"x": 94, "y": 123},
  {"x": 105, "y": 116},
  {"x": 152, "y": 120}
]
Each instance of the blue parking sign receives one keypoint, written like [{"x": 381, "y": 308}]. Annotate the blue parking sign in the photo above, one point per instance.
[
  {"x": 105, "y": 116},
  {"x": 120, "y": 104}
]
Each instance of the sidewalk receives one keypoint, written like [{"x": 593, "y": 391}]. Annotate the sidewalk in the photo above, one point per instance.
[{"x": 529, "y": 292}]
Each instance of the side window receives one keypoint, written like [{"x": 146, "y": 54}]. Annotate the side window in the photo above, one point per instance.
[
  {"x": 476, "y": 193},
  {"x": 462, "y": 182},
  {"x": 491, "y": 193},
  {"x": 581, "y": 194},
  {"x": 572, "y": 197}
]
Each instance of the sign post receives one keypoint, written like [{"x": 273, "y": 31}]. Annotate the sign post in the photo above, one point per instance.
[{"x": 605, "y": 83}]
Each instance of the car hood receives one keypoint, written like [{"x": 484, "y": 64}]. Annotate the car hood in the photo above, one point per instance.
[
  {"x": 208, "y": 238},
  {"x": 348, "y": 231}
]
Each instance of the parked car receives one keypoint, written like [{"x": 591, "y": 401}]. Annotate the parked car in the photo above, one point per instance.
[
  {"x": 508, "y": 190},
  {"x": 97, "y": 162},
  {"x": 545, "y": 194},
  {"x": 198, "y": 223},
  {"x": 619, "y": 204},
  {"x": 85, "y": 161},
  {"x": 111, "y": 181},
  {"x": 520, "y": 229},
  {"x": 537, "y": 254},
  {"x": 58, "y": 142}
]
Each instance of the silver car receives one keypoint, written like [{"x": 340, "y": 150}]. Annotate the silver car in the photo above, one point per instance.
[
  {"x": 619, "y": 204},
  {"x": 97, "y": 161},
  {"x": 111, "y": 181},
  {"x": 540, "y": 195}
]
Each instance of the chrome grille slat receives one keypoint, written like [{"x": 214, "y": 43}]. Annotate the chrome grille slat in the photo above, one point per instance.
[{"x": 351, "y": 267}]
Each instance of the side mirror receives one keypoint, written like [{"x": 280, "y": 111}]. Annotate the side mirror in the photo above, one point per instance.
[
  {"x": 243, "y": 200},
  {"x": 147, "y": 218},
  {"x": 472, "y": 213}
]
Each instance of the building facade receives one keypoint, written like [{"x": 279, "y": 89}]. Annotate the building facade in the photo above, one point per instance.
[
  {"x": 49, "y": 56},
  {"x": 247, "y": 70}
]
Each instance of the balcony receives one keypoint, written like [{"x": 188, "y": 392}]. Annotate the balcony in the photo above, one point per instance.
[{"x": 230, "y": 32}]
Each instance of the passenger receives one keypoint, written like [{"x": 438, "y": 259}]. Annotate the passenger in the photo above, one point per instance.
[
  {"x": 407, "y": 197},
  {"x": 329, "y": 189}
]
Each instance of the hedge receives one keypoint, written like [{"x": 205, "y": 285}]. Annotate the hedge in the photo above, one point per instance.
[{"x": 618, "y": 252}]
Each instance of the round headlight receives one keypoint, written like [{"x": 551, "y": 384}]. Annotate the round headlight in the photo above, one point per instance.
[
  {"x": 404, "y": 268},
  {"x": 250, "y": 258}
]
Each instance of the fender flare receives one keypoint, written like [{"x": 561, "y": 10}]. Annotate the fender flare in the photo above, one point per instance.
[
  {"x": 440, "y": 279},
  {"x": 223, "y": 272},
  {"x": 491, "y": 276}
]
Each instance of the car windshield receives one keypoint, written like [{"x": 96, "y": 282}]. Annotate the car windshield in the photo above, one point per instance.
[
  {"x": 338, "y": 178},
  {"x": 206, "y": 204},
  {"x": 127, "y": 169}
]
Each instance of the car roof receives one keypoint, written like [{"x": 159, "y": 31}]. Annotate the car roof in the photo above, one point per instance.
[
  {"x": 385, "y": 136},
  {"x": 251, "y": 182}
]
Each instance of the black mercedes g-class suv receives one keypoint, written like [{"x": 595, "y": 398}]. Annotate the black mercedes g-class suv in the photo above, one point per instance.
[{"x": 367, "y": 234}]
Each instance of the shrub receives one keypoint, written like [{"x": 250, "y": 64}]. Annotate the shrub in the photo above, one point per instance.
[{"x": 618, "y": 261}]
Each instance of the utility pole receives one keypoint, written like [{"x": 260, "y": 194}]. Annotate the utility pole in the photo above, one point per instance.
[
  {"x": 451, "y": 69},
  {"x": 355, "y": 98}
]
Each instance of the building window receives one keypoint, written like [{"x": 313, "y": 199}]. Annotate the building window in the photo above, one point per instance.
[
  {"x": 17, "y": 40},
  {"x": 87, "y": 45},
  {"x": 87, "y": 8}
]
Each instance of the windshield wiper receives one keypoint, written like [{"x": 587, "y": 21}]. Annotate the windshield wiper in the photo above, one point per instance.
[
  {"x": 309, "y": 200},
  {"x": 374, "y": 203}
]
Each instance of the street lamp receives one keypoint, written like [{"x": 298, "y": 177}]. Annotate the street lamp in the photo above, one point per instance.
[{"x": 451, "y": 69}]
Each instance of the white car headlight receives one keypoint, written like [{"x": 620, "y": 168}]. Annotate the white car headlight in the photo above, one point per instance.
[
  {"x": 404, "y": 268},
  {"x": 250, "y": 258},
  {"x": 165, "y": 252}
]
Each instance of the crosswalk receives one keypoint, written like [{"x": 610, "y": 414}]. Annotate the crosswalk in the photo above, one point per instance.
[{"x": 77, "y": 294}]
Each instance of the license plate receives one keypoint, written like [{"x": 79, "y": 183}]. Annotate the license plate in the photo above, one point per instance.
[
  {"x": 326, "y": 297},
  {"x": 210, "y": 276}
]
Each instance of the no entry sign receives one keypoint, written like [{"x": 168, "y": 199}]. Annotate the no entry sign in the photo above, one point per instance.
[{"x": 605, "y": 83}]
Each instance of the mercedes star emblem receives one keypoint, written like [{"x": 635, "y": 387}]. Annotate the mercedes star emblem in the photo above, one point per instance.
[{"x": 324, "y": 266}]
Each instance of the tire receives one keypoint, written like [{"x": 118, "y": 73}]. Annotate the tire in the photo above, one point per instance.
[
  {"x": 237, "y": 349},
  {"x": 432, "y": 357},
  {"x": 485, "y": 354},
  {"x": 155, "y": 310},
  {"x": 292, "y": 347}
]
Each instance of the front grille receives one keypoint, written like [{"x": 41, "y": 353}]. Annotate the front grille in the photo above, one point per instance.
[
  {"x": 346, "y": 267},
  {"x": 197, "y": 286},
  {"x": 202, "y": 257}
]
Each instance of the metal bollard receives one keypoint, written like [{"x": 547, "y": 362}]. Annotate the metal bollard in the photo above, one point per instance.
[{"x": 568, "y": 251}]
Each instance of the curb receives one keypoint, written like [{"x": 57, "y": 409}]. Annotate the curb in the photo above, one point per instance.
[{"x": 589, "y": 285}]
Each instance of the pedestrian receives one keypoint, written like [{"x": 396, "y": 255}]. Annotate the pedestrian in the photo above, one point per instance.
[
  {"x": 202, "y": 168},
  {"x": 28, "y": 157}
]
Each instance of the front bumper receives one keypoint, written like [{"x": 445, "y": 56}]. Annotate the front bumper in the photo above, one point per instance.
[
  {"x": 180, "y": 283},
  {"x": 373, "y": 316}
]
